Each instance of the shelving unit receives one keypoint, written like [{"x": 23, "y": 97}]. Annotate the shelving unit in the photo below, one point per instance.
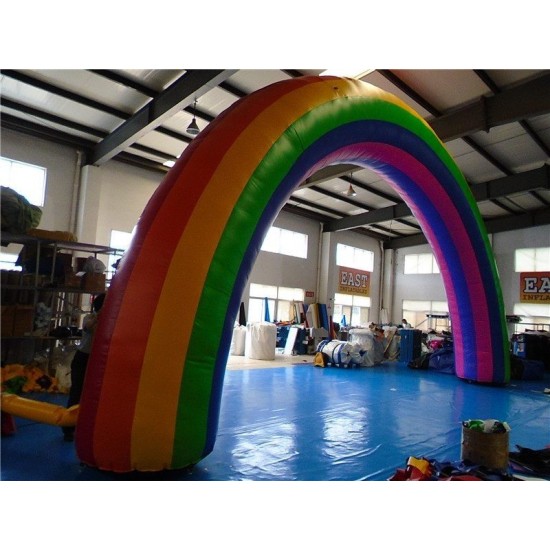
[
  {"x": 45, "y": 295},
  {"x": 436, "y": 321},
  {"x": 517, "y": 324}
]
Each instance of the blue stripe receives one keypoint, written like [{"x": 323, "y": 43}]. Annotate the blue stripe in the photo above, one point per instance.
[{"x": 401, "y": 138}]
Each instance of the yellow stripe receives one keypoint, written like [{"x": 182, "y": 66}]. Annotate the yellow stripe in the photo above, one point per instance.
[{"x": 160, "y": 382}]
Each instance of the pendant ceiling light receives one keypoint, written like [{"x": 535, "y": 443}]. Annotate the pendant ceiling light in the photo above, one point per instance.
[
  {"x": 193, "y": 128},
  {"x": 350, "y": 192}
]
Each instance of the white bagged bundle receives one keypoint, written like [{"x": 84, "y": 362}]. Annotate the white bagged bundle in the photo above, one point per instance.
[
  {"x": 93, "y": 265},
  {"x": 362, "y": 336},
  {"x": 238, "y": 341},
  {"x": 261, "y": 340},
  {"x": 340, "y": 353},
  {"x": 377, "y": 351},
  {"x": 367, "y": 359},
  {"x": 354, "y": 351}
]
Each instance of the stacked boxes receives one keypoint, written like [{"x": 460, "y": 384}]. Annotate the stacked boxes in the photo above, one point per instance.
[
  {"x": 93, "y": 282},
  {"x": 17, "y": 320}
]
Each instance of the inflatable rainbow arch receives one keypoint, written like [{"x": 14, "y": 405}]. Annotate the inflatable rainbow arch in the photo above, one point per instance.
[{"x": 152, "y": 394}]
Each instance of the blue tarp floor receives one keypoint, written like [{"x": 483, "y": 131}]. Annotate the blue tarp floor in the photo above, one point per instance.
[{"x": 304, "y": 423}]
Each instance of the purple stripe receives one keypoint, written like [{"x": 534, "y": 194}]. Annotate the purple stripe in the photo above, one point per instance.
[{"x": 431, "y": 188}]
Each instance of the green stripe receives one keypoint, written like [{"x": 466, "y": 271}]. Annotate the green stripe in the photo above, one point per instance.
[
  {"x": 196, "y": 384},
  {"x": 446, "y": 158}
]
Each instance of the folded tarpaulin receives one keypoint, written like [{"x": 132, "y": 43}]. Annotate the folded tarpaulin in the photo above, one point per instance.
[
  {"x": 534, "y": 461},
  {"x": 443, "y": 360}
]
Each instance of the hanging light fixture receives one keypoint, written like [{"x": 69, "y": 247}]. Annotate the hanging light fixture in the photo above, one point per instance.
[
  {"x": 193, "y": 128},
  {"x": 351, "y": 191}
]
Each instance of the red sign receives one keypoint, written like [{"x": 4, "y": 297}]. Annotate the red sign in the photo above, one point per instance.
[
  {"x": 534, "y": 286},
  {"x": 354, "y": 281},
  {"x": 310, "y": 294}
]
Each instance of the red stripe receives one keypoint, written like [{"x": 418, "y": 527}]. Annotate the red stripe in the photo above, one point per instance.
[{"x": 141, "y": 280}]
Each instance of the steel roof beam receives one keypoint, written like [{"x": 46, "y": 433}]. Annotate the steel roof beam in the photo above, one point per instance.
[
  {"x": 43, "y": 132},
  {"x": 399, "y": 210},
  {"x": 305, "y": 213},
  {"x": 526, "y": 100},
  {"x": 125, "y": 81},
  {"x": 495, "y": 225},
  {"x": 37, "y": 113},
  {"x": 539, "y": 178},
  {"x": 176, "y": 97},
  {"x": 330, "y": 172},
  {"x": 77, "y": 98},
  {"x": 517, "y": 183}
]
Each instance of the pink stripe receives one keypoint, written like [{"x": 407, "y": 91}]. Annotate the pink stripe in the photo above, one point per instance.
[{"x": 427, "y": 182}]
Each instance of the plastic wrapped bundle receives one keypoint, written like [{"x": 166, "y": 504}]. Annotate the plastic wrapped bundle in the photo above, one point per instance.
[
  {"x": 93, "y": 265},
  {"x": 341, "y": 354},
  {"x": 238, "y": 341},
  {"x": 367, "y": 359},
  {"x": 377, "y": 351},
  {"x": 260, "y": 341},
  {"x": 362, "y": 336}
]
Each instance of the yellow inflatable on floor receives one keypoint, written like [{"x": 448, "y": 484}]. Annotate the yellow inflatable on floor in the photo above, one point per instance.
[{"x": 47, "y": 413}]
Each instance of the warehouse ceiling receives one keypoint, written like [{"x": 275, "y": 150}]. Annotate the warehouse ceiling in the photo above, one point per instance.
[{"x": 495, "y": 124}]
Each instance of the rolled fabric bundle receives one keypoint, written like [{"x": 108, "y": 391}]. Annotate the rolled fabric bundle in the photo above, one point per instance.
[{"x": 340, "y": 353}]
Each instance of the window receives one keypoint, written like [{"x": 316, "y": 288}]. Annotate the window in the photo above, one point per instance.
[
  {"x": 349, "y": 256},
  {"x": 415, "y": 312},
  {"x": 532, "y": 259},
  {"x": 279, "y": 302},
  {"x": 26, "y": 179},
  {"x": 533, "y": 316},
  {"x": 120, "y": 240},
  {"x": 355, "y": 309},
  {"x": 420, "y": 264},
  {"x": 282, "y": 241},
  {"x": 7, "y": 261},
  {"x": 350, "y": 309}
]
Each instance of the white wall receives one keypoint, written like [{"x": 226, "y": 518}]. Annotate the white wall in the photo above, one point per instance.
[
  {"x": 504, "y": 245},
  {"x": 114, "y": 195},
  {"x": 430, "y": 287},
  {"x": 288, "y": 271},
  {"x": 61, "y": 164},
  {"x": 329, "y": 269},
  {"x": 414, "y": 287}
]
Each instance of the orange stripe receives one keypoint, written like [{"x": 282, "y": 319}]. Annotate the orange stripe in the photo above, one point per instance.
[
  {"x": 113, "y": 422},
  {"x": 193, "y": 256}
]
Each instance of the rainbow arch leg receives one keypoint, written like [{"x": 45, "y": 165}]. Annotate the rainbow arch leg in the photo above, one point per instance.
[{"x": 152, "y": 395}]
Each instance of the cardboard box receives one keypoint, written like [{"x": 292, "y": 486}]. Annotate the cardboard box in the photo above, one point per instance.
[
  {"x": 93, "y": 282},
  {"x": 30, "y": 279},
  {"x": 79, "y": 264},
  {"x": 72, "y": 280},
  {"x": 23, "y": 321},
  {"x": 8, "y": 316},
  {"x": 66, "y": 260},
  {"x": 485, "y": 449}
]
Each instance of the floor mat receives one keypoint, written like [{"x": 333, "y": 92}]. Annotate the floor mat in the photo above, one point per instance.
[{"x": 305, "y": 423}]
